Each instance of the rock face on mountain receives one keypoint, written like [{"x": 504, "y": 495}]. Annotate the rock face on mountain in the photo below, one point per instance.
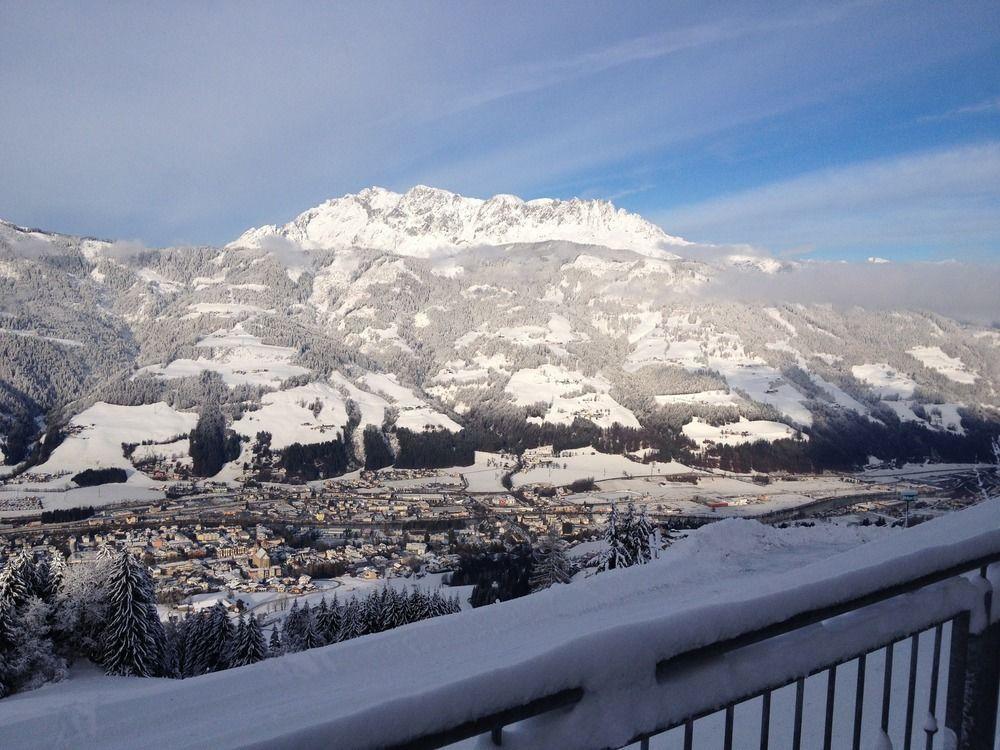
[
  {"x": 425, "y": 222},
  {"x": 377, "y": 316}
]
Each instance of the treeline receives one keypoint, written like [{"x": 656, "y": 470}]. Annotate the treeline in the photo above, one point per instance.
[
  {"x": 52, "y": 614},
  {"x": 496, "y": 575},
  {"x": 94, "y": 477},
  {"x": 508, "y": 431},
  {"x": 310, "y": 461},
  {"x": 62, "y": 515},
  {"x": 841, "y": 440}
]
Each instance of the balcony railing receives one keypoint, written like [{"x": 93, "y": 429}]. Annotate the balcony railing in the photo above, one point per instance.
[{"x": 912, "y": 662}]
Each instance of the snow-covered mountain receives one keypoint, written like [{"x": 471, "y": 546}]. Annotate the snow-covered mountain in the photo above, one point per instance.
[
  {"x": 430, "y": 318},
  {"x": 425, "y": 222}
]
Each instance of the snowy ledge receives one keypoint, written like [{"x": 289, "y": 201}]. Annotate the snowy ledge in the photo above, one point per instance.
[{"x": 604, "y": 635}]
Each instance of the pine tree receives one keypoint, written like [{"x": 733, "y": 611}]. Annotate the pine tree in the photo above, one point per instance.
[
  {"x": 616, "y": 555},
  {"x": 218, "y": 639},
  {"x": 328, "y": 621},
  {"x": 194, "y": 658},
  {"x": 17, "y": 579},
  {"x": 250, "y": 646},
  {"x": 643, "y": 534},
  {"x": 275, "y": 647},
  {"x": 418, "y": 607},
  {"x": 394, "y": 612},
  {"x": 371, "y": 613},
  {"x": 438, "y": 605},
  {"x": 172, "y": 644},
  {"x": 291, "y": 629},
  {"x": 7, "y": 643},
  {"x": 551, "y": 566},
  {"x": 133, "y": 640},
  {"x": 311, "y": 637},
  {"x": 351, "y": 621}
]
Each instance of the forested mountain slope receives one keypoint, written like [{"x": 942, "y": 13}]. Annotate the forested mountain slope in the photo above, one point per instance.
[{"x": 439, "y": 337}]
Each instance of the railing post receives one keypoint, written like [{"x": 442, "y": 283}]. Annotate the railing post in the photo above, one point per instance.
[
  {"x": 973, "y": 684},
  {"x": 982, "y": 686},
  {"x": 957, "y": 663}
]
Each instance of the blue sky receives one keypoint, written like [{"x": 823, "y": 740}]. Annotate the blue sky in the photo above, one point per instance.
[{"x": 834, "y": 130}]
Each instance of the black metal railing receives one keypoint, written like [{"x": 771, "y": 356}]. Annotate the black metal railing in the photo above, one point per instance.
[{"x": 968, "y": 684}]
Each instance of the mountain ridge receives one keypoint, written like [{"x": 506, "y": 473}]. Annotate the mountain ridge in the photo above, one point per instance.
[{"x": 426, "y": 222}]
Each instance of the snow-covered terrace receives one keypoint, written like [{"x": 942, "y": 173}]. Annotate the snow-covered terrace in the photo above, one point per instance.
[{"x": 612, "y": 648}]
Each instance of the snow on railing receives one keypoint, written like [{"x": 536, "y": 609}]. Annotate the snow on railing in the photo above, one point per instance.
[
  {"x": 685, "y": 642},
  {"x": 927, "y": 581}
]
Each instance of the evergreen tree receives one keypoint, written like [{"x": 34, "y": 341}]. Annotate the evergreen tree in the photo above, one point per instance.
[
  {"x": 275, "y": 648},
  {"x": 418, "y": 606},
  {"x": 394, "y": 611},
  {"x": 172, "y": 645},
  {"x": 217, "y": 638},
  {"x": 371, "y": 613},
  {"x": 328, "y": 620},
  {"x": 438, "y": 605},
  {"x": 250, "y": 646},
  {"x": 133, "y": 639},
  {"x": 551, "y": 565},
  {"x": 292, "y": 629},
  {"x": 17, "y": 579},
  {"x": 311, "y": 637},
  {"x": 193, "y": 659},
  {"x": 642, "y": 535},
  {"x": 616, "y": 555},
  {"x": 351, "y": 621},
  {"x": 7, "y": 643}
]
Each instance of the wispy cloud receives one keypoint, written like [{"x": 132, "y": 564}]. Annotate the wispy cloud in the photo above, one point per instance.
[
  {"x": 946, "y": 198},
  {"x": 987, "y": 106},
  {"x": 525, "y": 78}
]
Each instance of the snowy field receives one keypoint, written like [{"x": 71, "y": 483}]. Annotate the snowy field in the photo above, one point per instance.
[
  {"x": 605, "y": 634},
  {"x": 951, "y": 367},
  {"x": 589, "y": 463},
  {"x": 96, "y": 435},
  {"x": 56, "y": 496},
  {"x": 568, "y": 394},
  {"x": 885, "y": 380},
  {"x": 239, "y": 357},
  {"x": 732, "y": 496},
  {"x": 735, "y": 433},
  {"x": 414, "y": 413}
]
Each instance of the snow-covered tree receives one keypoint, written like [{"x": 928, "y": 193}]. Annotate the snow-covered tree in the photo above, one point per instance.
[
  {"x": 310, "y": 637},
  {"x": 133, "y": 635},
  {"x": 328, "y": 620},
  {"x": 417, "y": 606},
  {"x": 17, "y": 579},
  {"x": 551, "y": 565},
  {"x": 394, "y": 610},
  {"x": 216, "y": 639},
  {"x": 642, "y": 534},
  {"x": 616, "y": 554},
  {"x": 250, "y": 646},
  {"x": 81, "y": 609},
  {"x": 292, "y": 629},
  {"x": 30, "y": 660},
  {"x": 351, "y": 621},
  {"x": 275, "y": 647}
]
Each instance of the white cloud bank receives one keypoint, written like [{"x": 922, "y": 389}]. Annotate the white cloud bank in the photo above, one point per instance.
[
  {"x": 962, "y": 291},
  {"x": 947, "y": 198}
]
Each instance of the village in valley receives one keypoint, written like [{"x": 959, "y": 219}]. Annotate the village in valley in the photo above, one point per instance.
[{"x": 258, "y": 546}]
